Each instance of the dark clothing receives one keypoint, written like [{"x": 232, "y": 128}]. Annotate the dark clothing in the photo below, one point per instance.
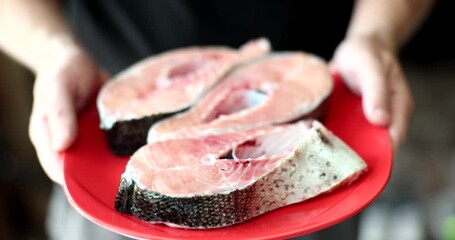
[{"x": 118, "y": 33}]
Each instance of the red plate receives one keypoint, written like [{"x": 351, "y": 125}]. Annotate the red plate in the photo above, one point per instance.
[{"x": 92, "y": 177}]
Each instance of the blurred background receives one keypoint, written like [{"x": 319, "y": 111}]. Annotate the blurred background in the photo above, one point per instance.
[{"x": 418, "y": 203}]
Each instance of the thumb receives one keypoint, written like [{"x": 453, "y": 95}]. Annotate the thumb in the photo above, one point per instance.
[
  {"x": 62, "y": 117},
  {"x": 103, "y": 76},
  {"x": 375, "y": 91},
  {"x": 371, "y": 83}
]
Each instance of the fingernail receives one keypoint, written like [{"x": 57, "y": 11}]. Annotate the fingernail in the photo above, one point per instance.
[
  {"x": 381, "y": 115},
  {"x": 395, "y": 139},
  {"x": 59, "y": 141}
]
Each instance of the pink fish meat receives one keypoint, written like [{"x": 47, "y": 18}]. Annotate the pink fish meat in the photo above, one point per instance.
[
  {"x": 162, "y": 85},
  {"x": 279, "y": 88}
]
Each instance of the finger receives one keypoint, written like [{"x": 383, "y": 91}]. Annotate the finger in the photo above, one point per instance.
[
  {"x": 402, "y": 105},
  {"x": 61, "y": 116},
  {"x": 39, "y": 135},
  {"x": 334, "y": 68},
  {"x": 87, "y": 90},
  {"x": 338, "y": 67},
  {"x": 103, "y": 76},
  {"x": 375, "y": 89}
]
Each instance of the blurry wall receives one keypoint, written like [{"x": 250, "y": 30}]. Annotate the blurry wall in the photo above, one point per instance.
[
  {"x": 24, "y": 189},
  {"x": 434, "y": 41}
]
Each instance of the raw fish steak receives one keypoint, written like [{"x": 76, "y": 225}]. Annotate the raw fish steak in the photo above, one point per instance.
[
  {"x": 160, "y": 86},
  {"x": 279, "y": 88},
  {"x": 218, "y": 180}
]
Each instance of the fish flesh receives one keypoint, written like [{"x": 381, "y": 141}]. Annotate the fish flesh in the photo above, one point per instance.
[
  {"x": 279, "y": 88},
  {"x": 162, "y": 85},
  {"x": 218, "y": 180}
]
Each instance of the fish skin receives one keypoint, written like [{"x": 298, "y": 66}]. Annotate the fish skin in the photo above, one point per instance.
[
  {"x": 320, "y": 163},
  {"x": 208, "y": 211},
  {"x": 126, "y": 136},
  {"x": 127, "y": 131}
]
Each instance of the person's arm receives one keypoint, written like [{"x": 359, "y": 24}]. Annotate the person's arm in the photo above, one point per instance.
[
  {"x": 367, "y": 60},
  {"x": 30, "y": 31},
  {"x": 390, "y": 22},
  {"x": 35, "y": 34}
]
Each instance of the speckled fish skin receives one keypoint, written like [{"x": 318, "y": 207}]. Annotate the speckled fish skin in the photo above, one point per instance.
[
  {"x": 179, "y": 193},
  {"x": 160, "y": 86}
]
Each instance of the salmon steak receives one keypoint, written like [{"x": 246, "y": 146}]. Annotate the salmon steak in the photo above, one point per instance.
[
  {"x": 279, "y": 88},
  {"x": 217, "y": 180},
  {"x": 162, "y": 85}
]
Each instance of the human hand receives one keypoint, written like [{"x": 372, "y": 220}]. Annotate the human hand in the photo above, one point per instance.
[
  {"x": 63, "y": 86},
  {"x": 372, "y": 70}
]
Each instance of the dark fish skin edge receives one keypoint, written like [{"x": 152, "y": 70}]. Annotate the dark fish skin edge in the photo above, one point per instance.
[
  {"x": 125, "y": 137},
  {"x": 211, "y": 211},
  {"x": 282, "y": 186}
]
